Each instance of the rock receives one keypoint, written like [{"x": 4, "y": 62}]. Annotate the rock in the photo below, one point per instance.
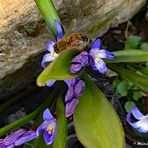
[{"x": 23, "y": 33}]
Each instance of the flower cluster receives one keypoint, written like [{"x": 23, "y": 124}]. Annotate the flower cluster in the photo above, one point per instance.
[
  {"x": 75, "y": 89},
  {"x": 74, "y": 85},
  {"x": 141, "y": 125},
  {"x": 17, "y": 138},
  {"x": 94, "y": 56}
]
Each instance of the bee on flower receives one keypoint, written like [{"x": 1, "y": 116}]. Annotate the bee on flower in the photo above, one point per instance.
[{"x": 93, "y": 57}]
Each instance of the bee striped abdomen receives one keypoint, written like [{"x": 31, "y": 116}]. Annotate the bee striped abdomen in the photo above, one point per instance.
[{"x": 77, "y": 41}]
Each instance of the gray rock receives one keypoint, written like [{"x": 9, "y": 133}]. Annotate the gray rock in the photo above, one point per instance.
[{"x": 23, "y": 33}]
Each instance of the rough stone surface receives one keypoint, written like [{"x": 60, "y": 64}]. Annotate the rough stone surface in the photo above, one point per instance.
[{"x": 23, "y": 33}]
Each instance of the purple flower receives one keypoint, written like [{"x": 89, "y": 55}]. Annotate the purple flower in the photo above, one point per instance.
[
  {"x": 18, "y": 138},
  {"x": 48, "y": 127},
  {"x": 79, "y": 62},
  {"x": 96, "y": 55},
  {"x": 52, "y": 55},
  {"x": 1, "y": 143},
  {"x": 142, "y": 124},
  {"x": 75, "y": 90},
  {"x": 26, "y": 137}
]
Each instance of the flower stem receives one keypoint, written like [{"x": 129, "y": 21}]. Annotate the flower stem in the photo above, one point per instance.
[
  {"x": 49, "y": 13},
  {"x": 19, "y": 122},
  {"x": 60, "y": 91},
  {"x": 61, "y": 135},
  {"x": 16, "y": 124}
]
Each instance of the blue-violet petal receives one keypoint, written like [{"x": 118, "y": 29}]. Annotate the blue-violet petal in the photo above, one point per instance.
[{"x": 47, "y": 116}]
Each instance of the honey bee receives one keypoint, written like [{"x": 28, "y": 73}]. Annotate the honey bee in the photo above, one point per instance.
[{"x": 76, "y": 41}]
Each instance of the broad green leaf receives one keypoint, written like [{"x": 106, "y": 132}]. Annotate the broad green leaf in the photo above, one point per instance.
[
  {"x": 58, "y": 69},
  {"x": 136, "y": 79},
  {"x": 128, "y": 106},
  {"x": 122, "y": 88},
  {"x": 129, "y": 56},
  {"x": 96, "y": 123},
  {"x": 61, "y": 135},
  {"x": 132, "y": 42},
  {"x": 137, "y": 95}
]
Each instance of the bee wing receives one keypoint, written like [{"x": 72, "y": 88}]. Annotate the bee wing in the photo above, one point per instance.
[{"x": 72, "y": 26}]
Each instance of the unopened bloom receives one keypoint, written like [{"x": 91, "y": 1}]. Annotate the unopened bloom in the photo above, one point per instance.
[
  {"x": 79, "y": 62},
  {"x": 1, "y": 143},
  {"x": 142, "y": 124},
  {"x": 96, "y": 55},
  {"x": 26, "y": 137},
  {"x": 48, "y": 127},
  {"x": 52, "y": 55},
  {"x": 75, "y": 89},
  {"x": 18, "y": 138}
]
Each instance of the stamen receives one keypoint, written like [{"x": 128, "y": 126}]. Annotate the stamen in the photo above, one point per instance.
[
  {"x": 51, "y": 128},
  {"x": 54, "y": 54},
  {"x": 97, "y": 58}
]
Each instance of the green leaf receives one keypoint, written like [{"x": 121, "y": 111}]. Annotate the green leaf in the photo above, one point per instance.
[
  {"x": 128, "y": 106},
  {"x": 133, "y": 55},
  {"x": 58, "y": 69},
  {"x": 29, "y": 144},
  {"x": 96, "y": 123},
  {"x": 136, "y": 79},
  {"x": 116, "y": 82},
  {"x": 137, "y": 95},
  {"x": 37, "y": 143},
  {"x": 61, "y": 135},
  {"x": 142, "y": 69},
  {"x": 132, "y": 42},
  {"x": 122, "y": 88},
  {"x": 144, "y": 46}
]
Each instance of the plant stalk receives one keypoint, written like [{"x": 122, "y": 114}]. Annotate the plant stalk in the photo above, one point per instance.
[{"x": 49, "y": 13}]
